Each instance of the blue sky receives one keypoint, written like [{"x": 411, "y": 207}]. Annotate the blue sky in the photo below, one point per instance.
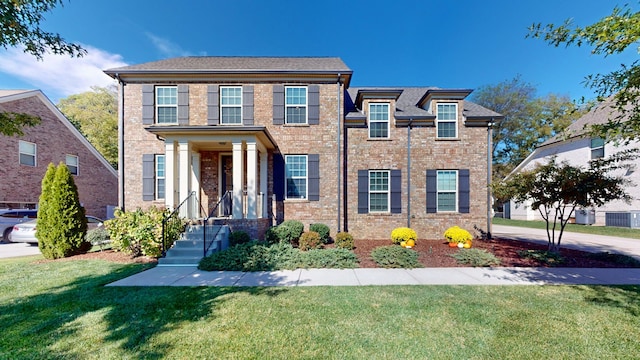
[{"x": 449, "y": 44}]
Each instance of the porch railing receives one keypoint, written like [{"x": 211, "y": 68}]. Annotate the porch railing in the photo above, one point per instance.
[
  {"x": 208, "y": 241},
  {"x": 172, "y": 221}
]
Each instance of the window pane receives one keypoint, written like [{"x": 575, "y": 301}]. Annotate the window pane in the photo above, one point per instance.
[
  {"x": 26, "y": 159},
  {"x": 378, "y": 181},
  {"x": 446, "y": 180},
  {"x": 231, "y": 96},
  {"x": 447, "y": 112},
  {"x": 27, "y": 147},
  {"x": 167, "y": 96},
  {"x": 167, "y": 115},
  {"x": 296, "y": 173},
  {"x": 597, "y": 143},
  {"x": 446, "y": 129},
  {"x": 296, "y": 188},
  {"x": 296, "y": 96},
  {"x": 446, "y": 202},
  {"x": 378, "y": 130},
  {"x": 378, "y": 202},
  {"x": 296, "y": 115},
  {"x": 231, "y": 115},
  {"x": 597, "y": 153},
  {"x": 160, "y": 188},
  {"x": 379, "y": 112},
  {"x": 160, "y": 166}
]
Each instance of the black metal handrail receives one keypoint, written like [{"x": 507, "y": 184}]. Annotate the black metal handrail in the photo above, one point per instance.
[
  {"x": 206, "y": 244},
  {"x": 192, "y": 195}
]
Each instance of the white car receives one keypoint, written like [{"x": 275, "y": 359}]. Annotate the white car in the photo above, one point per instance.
[
  {"x": 9, "y": 218},
  {"x": 26, "y": 231}
]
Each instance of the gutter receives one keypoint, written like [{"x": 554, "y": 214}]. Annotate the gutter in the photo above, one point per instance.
[{"x": 120, "y": 142}]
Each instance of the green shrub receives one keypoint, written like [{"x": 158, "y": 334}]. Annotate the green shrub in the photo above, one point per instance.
[
  {"x": 98, "y": 237},
  {"x": 457, "y": 234},
  {"x": 289, "y": 231},
  {"x": 323, "y": 231},
  {"x": 395, "y": 257},
  {"x": 238, "y": 237},
  {"x": 401, "y": 234},
  {"x": 619, "y": 259},
  {"x": 542, "y": 256},
  {"x": 475, "y": 257},
  {"x": 271, "y": 236},
  {"x": 326, "y": 258},
  {"x": 309, "y": 240},
  {"x": 344, "y": 240},
  {"x": 140, "y": 232},
  {"x": 61, "y": 225}
]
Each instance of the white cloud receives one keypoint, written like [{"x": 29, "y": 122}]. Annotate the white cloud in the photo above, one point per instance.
[
  {"x": 166, "y": 47},
  {"x": 60, "y": 75}
]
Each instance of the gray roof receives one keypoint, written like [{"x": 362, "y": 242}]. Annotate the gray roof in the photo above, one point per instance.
[
  {"x": 238, "y": 64},
  {"x": 406, "y": 105}
]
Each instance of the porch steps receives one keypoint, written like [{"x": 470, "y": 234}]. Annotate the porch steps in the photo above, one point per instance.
[{"x": 188, "y": 250}]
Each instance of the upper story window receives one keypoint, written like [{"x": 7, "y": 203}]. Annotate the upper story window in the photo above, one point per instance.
[
  {"x": 160, "y": 176},
  {"x": 378, "y": 121},
  {"x": 379, "y": 191},
  {"x": 166, "y": 104},
  {"x": 295, "y": 105},
  {"x": 296, "y": 174},
  {"x": 72, "y": 164},
  {"x": 447, "y": 121},
  {"x": 447, "y": 198},
  {"x": 597, "y": 148},
  {"x": 27, "y": 152},
  {"x": 231, "y": 105}
]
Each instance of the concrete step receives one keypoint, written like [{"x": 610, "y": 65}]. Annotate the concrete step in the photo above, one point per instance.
[{"x": 188, "y": 250}]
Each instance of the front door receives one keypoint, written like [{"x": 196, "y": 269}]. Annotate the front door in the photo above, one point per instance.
[{"x": 227, "y": 184}]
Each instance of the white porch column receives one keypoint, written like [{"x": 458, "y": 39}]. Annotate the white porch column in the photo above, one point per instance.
[
  {"x": 264, "y": 164},
  {"x": 238, "y": 178},
  {"x": 195, "y": 185},
  {"x": 169, "y": 176},
  {"x": 184, "y": 175},
  {"x": 252, "y": 181}
]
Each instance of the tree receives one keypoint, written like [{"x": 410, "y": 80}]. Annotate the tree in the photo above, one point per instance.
[
  {"x": 95, "y": 114},
  {"x": 61, "y": 226},
  {"x": 610, "y": 35},
  {"x": 557, "y": 189},
  {"x": 528, "y": 120},
  {"x": 12, "y": 123}
]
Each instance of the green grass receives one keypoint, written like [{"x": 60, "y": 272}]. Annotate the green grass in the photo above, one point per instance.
[
  {"x": 62, "y": 310},
  {"x": 583, "y": 229}
]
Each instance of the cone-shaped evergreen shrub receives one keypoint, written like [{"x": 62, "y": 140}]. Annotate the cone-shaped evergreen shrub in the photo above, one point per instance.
[{"x": 62, "y": 225}]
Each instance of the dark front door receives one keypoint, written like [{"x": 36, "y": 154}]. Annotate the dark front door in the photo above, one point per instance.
[{"x": 227, "y": 184}]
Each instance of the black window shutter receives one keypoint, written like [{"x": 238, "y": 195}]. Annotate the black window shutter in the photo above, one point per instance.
[
  {"x": 314, "y": 104},
  {"x": 432, "y": 191},
  {"x": 183, "y": 104},
  {"x": 396, "y": 191},
  {"x": 247, "y": 105},
  {"x": 463, "y": 191},
  {"x": 148, "y": 177},
  {"x": 148, "y": 104},
  {"x": 363, "y": 191},
  {"x": 313, "y": 178},
  {"x": 278, "y": 104},
  {"x": 213, "y": 107},
  {"x": 278, "y": 176}
]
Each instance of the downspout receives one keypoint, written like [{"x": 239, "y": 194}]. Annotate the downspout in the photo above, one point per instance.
[
  {"x": 338, "y": 159},
  {"x": 120, "y": 143},
  {"x": 489, "y": 160},
  {"x": 409, "y": 174}
]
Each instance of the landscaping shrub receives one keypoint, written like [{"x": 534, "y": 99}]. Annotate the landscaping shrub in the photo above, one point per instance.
[
  {"x": 457, "y": 234},
  {"x": 344, "y": 240},
  {"x": 238, "y": 237},
  {"x": 475, "y": 257},
  {"x": 289, "y": 231},
  {"x": 309, "y": 240},
  {"x": 620, "y": 259},
  {"x": 403, "y": 234},
  {"x": 395, "y": 257},
  {"x": 546, "y": 257},
  {"x": 326, "y": 258},
  {"x": 271, "y": 236},
  {"x": 140, "y": 232},
  {"x": 323, "y": 231},
  {"x": 61, "y": 226},
  {"x": 98, "y": 237}
]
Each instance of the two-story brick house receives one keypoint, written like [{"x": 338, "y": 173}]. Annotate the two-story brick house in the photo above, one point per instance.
[{"x": 289, "y": 139}]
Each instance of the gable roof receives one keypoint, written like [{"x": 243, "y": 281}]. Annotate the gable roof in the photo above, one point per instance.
[{"x": 13, "y": 95}]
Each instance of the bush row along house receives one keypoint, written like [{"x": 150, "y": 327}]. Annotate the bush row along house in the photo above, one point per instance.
[
  {"x": 289, "y": 138},
  {"x": 576, "y": 147},
  {"x": 24, "y": 159}
]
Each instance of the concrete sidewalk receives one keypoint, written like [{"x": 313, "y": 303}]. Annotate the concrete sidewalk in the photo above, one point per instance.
[{"x": 191, "y": 276}]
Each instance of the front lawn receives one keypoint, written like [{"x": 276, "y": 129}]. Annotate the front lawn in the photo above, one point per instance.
[
  {"x": 61, "y": 309},
  {"x": 577, "y": 228}
]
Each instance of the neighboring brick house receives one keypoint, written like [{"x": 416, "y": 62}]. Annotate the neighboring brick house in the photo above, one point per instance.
[
  {"x": 24, "y": 159},
  {"x": 292, "y": 140},
  {"x": 576, "y": 147}
]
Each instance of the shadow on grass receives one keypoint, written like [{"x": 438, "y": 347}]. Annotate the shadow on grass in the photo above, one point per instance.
[
  {"x": 51, "y": 322},
  {"x": 626, "y": 298}
]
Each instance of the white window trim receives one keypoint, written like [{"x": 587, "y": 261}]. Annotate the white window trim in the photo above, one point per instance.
[
  {"x": 157, "y": 177},
  {"x": 456, "y": 192},
  {"x": 306, "y": 178},
  {"x": 35, "y": 153},
  {"x": 388, "y": 192},
  {"x": 438, "y": 121},
  {"x": 230, "y": 106},
  {"x": 388, "y": 121},
  {"x": 76, "y": 165},
  {"x": 306, "y": 105},
  {"x": 165, "y": 105}
]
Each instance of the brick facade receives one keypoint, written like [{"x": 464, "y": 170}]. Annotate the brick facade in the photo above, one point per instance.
[
  {"x": 97, "y": 184},
  {"x": 467, "y": 151}
]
